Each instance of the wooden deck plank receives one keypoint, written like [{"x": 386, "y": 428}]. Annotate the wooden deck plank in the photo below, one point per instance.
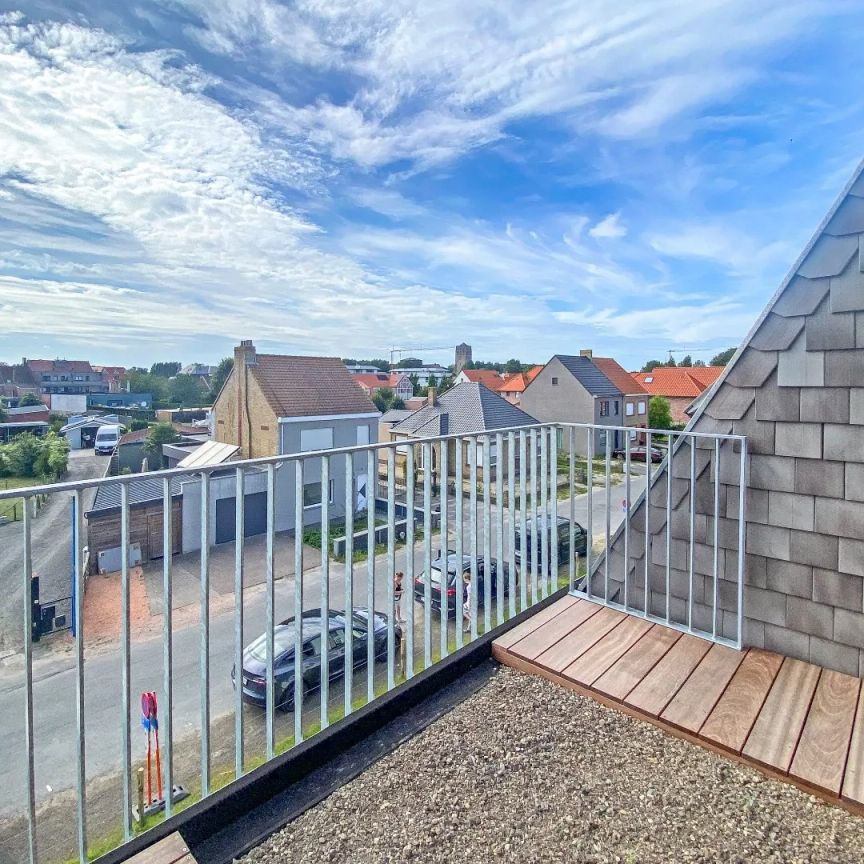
[
  {"x": 699, "y": 694},
  {"x": 578, "y": 641},
  {"x": 853, "y": 781},
  {"x": 659, "y": 686},
  {"x": 171, "y": 850},
  {"x": 538, "y": 619},
  {"x": 820, "y": 757},
  {"x": 734, "y": 715},
  {"x": 775, "y": 733},
  {"x": 597, "y": 659},
  {"x": 636, "y": 663},
  {"x": 554, "y": 630}
]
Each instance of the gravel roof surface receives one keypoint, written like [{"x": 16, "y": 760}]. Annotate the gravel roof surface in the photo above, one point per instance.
[{"x": 527, "y": 771}]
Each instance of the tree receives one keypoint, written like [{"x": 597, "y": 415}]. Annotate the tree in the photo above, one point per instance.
[
  {"x": 386, "y": 399},
  {"x": 723, "y": 357},
  {"x": 161, "y": 433},
  {"x": 651, "y": 365},
  {"x": 2, "y": 411},
  {"x": 165, "y": 369},
  {"x": 699, "y": 364},
  {"x": 144, "y": 382},
  {"x": 409, "y": 362},
  {"x": 659, "y": 413},
  {"x": 186, "y": 390},
  {"x": 512, "y": 365},
  {"x": 686, "y": 361},
  {"x": 29, "y": 399},
  {"x": 220, "y": 376}
]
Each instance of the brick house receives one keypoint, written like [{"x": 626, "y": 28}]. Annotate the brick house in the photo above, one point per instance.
[
  {"x": 679, "y": 384},
  {"x": 372, "y": 382}
]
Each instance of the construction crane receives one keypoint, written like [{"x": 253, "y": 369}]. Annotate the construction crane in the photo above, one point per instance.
[{"x": 394, "y": 350}]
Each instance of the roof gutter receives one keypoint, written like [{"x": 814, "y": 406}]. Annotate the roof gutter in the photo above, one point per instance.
[{"x": 321, "y": 417}]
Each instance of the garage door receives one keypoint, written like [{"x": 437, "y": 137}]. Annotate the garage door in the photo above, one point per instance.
[{"x": 254, "y": 517}]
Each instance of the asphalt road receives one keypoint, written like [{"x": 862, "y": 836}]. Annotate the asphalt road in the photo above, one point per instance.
[
  {"x": 54, "y": 677},
  {"x": 50, "y": 537}
]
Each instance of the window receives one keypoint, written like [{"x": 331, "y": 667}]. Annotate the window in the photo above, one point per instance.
[
  {"x": 615, "y": 403},
  {"x": 316, "y": 439},
  {"x": 312, "y": 494},
  {"x": 312, "y": 648},
  {"x": 632, "y": 434},
  {"x": 362, "y": 434},
  {"x": 649, "y": 379},
  {"x": 604, "y": 408},
  {"x": 559, "y": 438},
  {"x": 641, "y": 408},
  {"x": 554, "y": 382},
  {"x": 629, "y": 408},
  {"x": 337, "y": 639}
]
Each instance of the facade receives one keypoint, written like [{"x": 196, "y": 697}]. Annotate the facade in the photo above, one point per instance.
[
  {"x": 113, "y": 376},
  {"x": 399, "y": 383},
  {"x": 513, "y": 384},
  {"x": 16, "y": 380},
  {"x": 425, "y": 373},
  {"x": 67, "y": 377},
  {"x": 572, "y": 389},
  {"x": 635, "y": 396},
  {"x": 462, "y": 357},
  {"x": 795, "y": 390},
  {"x": 681, "y": 385},
  {"x": 361, "y": 368},
  {"x": 487, "y": 377}
]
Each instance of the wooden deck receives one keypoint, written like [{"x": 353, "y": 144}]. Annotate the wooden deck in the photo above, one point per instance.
[{"x": 794, "y": 721}]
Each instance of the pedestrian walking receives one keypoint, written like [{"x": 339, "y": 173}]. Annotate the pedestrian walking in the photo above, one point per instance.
[
  {"x": 466, "y": 605},
  {"x": 397, "y": 596}
]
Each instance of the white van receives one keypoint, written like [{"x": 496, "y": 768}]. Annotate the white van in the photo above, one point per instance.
[{"x": 107, "y": 438}]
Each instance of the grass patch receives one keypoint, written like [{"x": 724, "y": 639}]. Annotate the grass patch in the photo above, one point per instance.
[{"x": 13, "y": 508}]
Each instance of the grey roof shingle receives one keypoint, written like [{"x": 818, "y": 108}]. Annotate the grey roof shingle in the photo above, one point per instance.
[
  {"x": 468, "y": 407},
  {"x": 588, "y": 375},
  {"x": 143, "y": 491}
]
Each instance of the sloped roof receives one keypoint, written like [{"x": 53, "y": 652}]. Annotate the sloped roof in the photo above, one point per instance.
[
  {"x": 467, "y": 407},
  {"x": 513, "y": 382},
  {"x": 588, "y": 375},
  {"x": 60, "y": 365},
  {"x": 395, "y": 415},
  {"x": 209, "y": 453},
  {"x": 678, "y": 381},
  {"x": 534, "y": 371},
  {"x": 619, "y": 376},
  {"x": 29, "y": 412},
  {"x": 141, "y": 491},
  {"x": 372, "y": 380},
  {"x": 309, "y": 386},
  {"x": 17, "y": 374},
  {"x": 488, "y": 377}
]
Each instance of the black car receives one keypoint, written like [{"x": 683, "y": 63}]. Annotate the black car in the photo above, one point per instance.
[
  {"x": 455, "y": 587},
  {"x": 640, "y": 454},
  {"x": 315, "y": 627},
  {"x": 534, "y": 530}
]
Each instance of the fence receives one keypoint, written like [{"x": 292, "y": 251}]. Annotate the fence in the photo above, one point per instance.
[{"x": 307, "y": 650}]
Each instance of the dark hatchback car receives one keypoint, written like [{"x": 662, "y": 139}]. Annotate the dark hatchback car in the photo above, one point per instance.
[
  {"x": 454, "y": 586},
  {"x": 534, "y": 530},
  {"x": 316, "y": 630},
  {"x": 640, "y": 454}
]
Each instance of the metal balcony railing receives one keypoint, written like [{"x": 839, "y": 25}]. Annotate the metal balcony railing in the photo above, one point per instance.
[{"x": 481, "y": 525}]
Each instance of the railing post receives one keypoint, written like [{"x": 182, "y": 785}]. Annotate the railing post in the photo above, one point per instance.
[
  {"x": 28, "y": 685},
  {"x": 427, "y": 554},
  {"x": 444, "y": 544},
  {"x": 499, "y": 522},
  {"x": 239, "y": 530},
  {"x": 270, "y": 615},
  {"x": 545, "y": 564},
  {"x": 742, "y": 540},
  {"x": 349, "y": 585},
  {"x": 325, "y": 592},
  {"x": 391, "y": 565},
  {"x": 459, "y": 493},
  {"x": 167, "y": 721},
  {"x": 126, "y": 676},
  {"x": 205, "y": 634},
  {"x": 299, "y": 682},
  {"x": 408, "y": 587},
  {"x": 472, "y": 444},
  {"x": 78, "y": 617},
  {"x": 487, "y": 537},
  {"x": 511, "y": 520}
]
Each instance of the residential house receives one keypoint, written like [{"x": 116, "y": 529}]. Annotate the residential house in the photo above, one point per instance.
[
  {"x": 573, "y": 389},
  {"x": 513, "y": 384},
  {"x": 16, "y": 380},
  {"x": 635, "y": 395},
  {"x": 487, "y": 377},
  {"x": 398, "y": 382},
  {"x": 425, "y": 373},
  {"x": 67, "y": 377},
  {"x": 391, "y": 417},
  {"x": 201, "y": 371},
  {"x": 361, "y": 368},
  {"x": 466, "y": 407},
  {"x": 113, "y": 376},
  {"x": 679, "y": 384},
  {"x": 274, "y": 404}
]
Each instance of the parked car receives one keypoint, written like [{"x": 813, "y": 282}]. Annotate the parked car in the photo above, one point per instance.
[
  {"x": 454, "y": 585},
  {"x": 535, "y": 533},
  {"x": 315, "y": 627},
  {"x": 107, "y": 438},
  {"x": 639, "y": 454}
]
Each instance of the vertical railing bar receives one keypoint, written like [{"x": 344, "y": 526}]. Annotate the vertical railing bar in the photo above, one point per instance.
[
  {"x": 125, "y": 660},
  {"x": 499, "y": 523},
  {"x": 298, "y": 601},
  {"x": 627, "y": 520},
  {"x": 427, "y": 554},
  {"x": 239, "y": 538},
  {"x": 511, "y": 521},
  {"x": 487, "y": 536},
  {"x": 553, "y": 480},
  {"x": 742, "y": 539},
  {"x": 608, "y": 520},
  {"x": 533, "y": 513},
  {"x": 205, "y": 634},
  {"x": 472, "y": 516},
  {"x": 691, "y": 551},
  {"x": 78, "y": 617},
  {"x": 29, "y": 743},
  {"x": 324, "y": 707},
  {"x": 444, "y": 547},
  {"x": 589, "y": 540},
  {"x": 270, "y": 614},
  {"x": 349, "y": 584},
  {"x": 391, "y": 565},
  {"x": 371, "y": 500},
  {"x": 545, "y": 564},
  {"x": 523, "y": 520},
  {"x": 670, "y": 441},
  {"x": 571, "y": 489},
  {"x": 648, "y": 463},
  {"x": 408, "y": 586},
  {"x": 167, "y": 720},
  {"x": 459, "y": 494},
  {"x": 716, "y": 553}
]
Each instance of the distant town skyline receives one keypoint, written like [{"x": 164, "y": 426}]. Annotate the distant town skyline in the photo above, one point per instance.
[{"x": 176, "y": 176}]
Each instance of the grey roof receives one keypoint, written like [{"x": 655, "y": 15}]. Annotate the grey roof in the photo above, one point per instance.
[
  {"x": 394, "y": 415},
  {"x": 588, "y": 375},
  {"x": 143, "y": 491},
  {"x": 90, "y": 421},
  {"x": 467, "y": 407}
]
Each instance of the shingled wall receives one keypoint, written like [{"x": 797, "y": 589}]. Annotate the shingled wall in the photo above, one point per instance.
[{"x": 796, "y": 390}]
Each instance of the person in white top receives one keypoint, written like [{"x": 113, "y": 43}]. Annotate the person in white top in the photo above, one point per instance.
[{"x": 466, "y": 605}]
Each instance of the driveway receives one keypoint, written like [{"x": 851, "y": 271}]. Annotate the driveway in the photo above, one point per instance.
[{"x": 51, "y": 541}]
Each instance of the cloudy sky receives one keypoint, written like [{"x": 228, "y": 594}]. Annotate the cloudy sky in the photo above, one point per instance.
[{"x": 332, "y": 176}]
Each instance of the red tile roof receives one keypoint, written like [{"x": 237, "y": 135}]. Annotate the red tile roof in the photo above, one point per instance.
[
  {"x": 679, "y": 381},
  {"x": 620, "y": 377},
  {"x": 534, "y": 371},
  {"x": 60, "y": 365},
  {"x": 488, "y": 377},
  {"x": 373, "y": 380}
]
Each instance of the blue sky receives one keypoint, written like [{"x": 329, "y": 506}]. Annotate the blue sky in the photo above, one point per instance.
[{"x": 340, "y": 177}]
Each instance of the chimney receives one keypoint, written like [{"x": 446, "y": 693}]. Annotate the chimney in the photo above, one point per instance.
[
  {"x": 245, "y": 351},
  {"x": 431, "y": 396},
  {"x": 244, "y": 357},
  {"x": 586, "y": 352}
]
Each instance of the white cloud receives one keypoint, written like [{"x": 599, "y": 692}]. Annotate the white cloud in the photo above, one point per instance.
[{"x": 609, "y": 228}]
